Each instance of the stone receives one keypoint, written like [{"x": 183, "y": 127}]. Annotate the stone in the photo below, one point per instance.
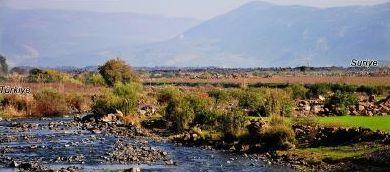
[
  {"x": 170, "y": 162},
  {"x": 306, "y": 107},
  {"x": 372, "y": 98},
  {"x": 109, "y": 118},
  {"x": 14, "y": 164},
  {"x": 134, "y": 169},
  {"x": 322, "y": 98},
  {"x": 361, "y": 108},
  {"x": 119, "y": 114},
  {"x": 316, "y": 109}
]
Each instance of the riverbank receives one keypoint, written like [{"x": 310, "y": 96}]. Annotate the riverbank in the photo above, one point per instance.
[{"x": 331, "y": 148}]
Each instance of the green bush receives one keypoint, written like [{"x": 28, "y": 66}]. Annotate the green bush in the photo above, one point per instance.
[
  {"x": 77, "y": 101},
  {"x": 116, "y": 70},
  {"x": 344, "y": 88},
  {"x": 278, "y": 137},
  {"x": 94, "y": 79},
  {"x": 233, "y": 122},
  {"x": 180, "y": 112},
  {"x": 123, "y": 97},
  {"x": 319, "y": 89},
  {"x": 341, "y": 102},
  {"x": 184, "y": 110},
  {"x": 167, "y": 94},
  {"x": 278, "y": 102},
  {"x": 50, "y": 103},
  {"x": 220, "y": 96},
  {"x": 49, "y": 76},
  {"x": 278, "y": 134},
  {"x": 298, "y": 91},
  {"x": 252, "y": 99}
]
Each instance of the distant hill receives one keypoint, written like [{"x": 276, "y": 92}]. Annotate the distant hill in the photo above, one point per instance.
[
  {"x": 257, "y": 34},
  {"x": 263, "y": 34},
  {"x": 74, "y": 38}
]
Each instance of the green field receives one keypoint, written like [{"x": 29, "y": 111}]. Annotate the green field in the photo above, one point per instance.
[
  {"x": 375, "y": 123},
  {"x": 381, "y": 123}
]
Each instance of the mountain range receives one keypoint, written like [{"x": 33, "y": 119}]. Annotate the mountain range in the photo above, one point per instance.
[
  {"x": 78, "y": 38},
  {"x": 257, "y": 34}
]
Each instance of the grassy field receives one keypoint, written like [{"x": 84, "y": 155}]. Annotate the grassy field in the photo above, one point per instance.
[
  {"x": 316, "y": 155},
  {"x": 375, "y": 123},
  {"x": 381, "y": 123}
]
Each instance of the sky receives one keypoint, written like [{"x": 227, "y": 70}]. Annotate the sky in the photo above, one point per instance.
[{"x": 199, "y": 9}]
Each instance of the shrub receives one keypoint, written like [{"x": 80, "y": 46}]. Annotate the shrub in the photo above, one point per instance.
[
  {"x": 298, "y": 91},
  {"x": 319, "y": 89},
  {"x": 77, "y": 101},
  {"x": 50, "y": 103},
  {"x": 180, "y": 112},
  {"x": 167, "y": 94},
  {"x": 17, "y": 105},
  {"x": 278, "y": 137},
  {"x": 252, "y": 99},
  {"x": 36, "y": 75},
  {"x": 232, "y": 123},
  {"x": 278, "y": 134},
  {"x": 341, "y": 102},
  {"x": 343, "y": 88},
  {"x": 305, "y": 121},
  {"x": 116, "y": 70},
  {"x": 184, "y": 110},
  {"x": 278, "y": 102},
  {"x": 123, "y": 97},
  {"x": 3, "y": 66},
  {"x": 220, "y": 96},
  {"x": 202, "y": 106},
  {"x": 94, "y": 79}
]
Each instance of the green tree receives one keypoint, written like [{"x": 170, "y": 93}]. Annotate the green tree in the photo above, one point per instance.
[
  {"x": 116, "y": 70},
  {"x": 3, "y": 66}
]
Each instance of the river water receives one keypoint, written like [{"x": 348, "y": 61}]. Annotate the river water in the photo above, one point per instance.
[{"x": 53, "y": 143}]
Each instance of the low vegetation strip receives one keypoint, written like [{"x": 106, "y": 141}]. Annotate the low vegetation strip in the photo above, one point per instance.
[
  {"x": 355, "y": 80},
  {"x": 375, "y": 122}
]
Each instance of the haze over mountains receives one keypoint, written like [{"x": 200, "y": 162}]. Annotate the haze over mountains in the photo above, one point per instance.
[
  {"x": 56, "y": 37},
  {"x": 255, "y": 34}
]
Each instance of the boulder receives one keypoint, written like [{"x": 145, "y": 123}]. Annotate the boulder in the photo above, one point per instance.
[
  {"x": 316, "y": 109},
  {"x": 255, "y": 127},
  {"x": 372, "y": 98},
  {"x": 361, "y": 107},
  {"x": 133, "y": 169},
  {"x": 322, "y": 98},
  {"x": 306, "y": 107},
  {"x": 112, "y": 117},
  {"x": 108, "y": 118}
]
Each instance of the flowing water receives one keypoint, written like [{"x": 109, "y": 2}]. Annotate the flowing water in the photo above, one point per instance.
[{"x": 55, "y": 144}]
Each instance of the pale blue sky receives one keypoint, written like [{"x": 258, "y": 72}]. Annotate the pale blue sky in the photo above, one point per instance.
[{"x": 201, "y": 9}]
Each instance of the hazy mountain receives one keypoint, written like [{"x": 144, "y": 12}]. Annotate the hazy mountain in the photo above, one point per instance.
[
  {"x": 263, "y": 34},
  {"x": 55, "y": 37}
]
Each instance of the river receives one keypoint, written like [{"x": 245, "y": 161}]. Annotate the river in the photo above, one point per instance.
[{"x": 54, "y": 143}]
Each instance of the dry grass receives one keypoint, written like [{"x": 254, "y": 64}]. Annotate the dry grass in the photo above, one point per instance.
[{"x": 60, "y": 87}]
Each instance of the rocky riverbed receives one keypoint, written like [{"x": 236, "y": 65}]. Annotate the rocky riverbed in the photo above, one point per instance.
[{"x": 66, "y": 144}]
